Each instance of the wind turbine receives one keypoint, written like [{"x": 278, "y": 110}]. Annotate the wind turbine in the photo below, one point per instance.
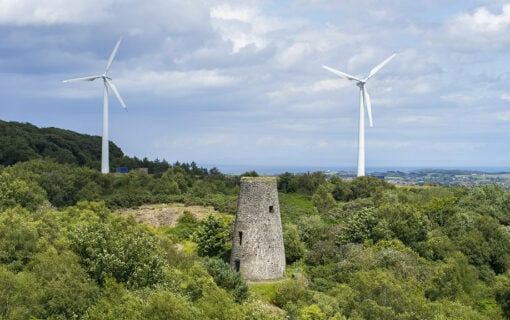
[
  {"x": 364, "y": 100},
  {"x": 108, "y": 84}
]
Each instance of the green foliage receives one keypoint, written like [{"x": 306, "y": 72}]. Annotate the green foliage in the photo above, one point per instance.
[
  {"x": 115, "y": 303},
  {"x": 68, "y": 291},
  {"x": 292, "y": 293},
  {"x": 502, "y": 293},
  {"x": 120, "y": 249},
  {"x": 23, "y": 141},
  {"x": 295, "y": 249},
  {"x": 186, "y": 225},
  {"x": 306, "y": 184},
  {"x": 323, "y": 200},
  {"x": 365, "y": 249},
  {"x": 293, "y": 207},
  {"x": 211, "y": 237},
  {"x": 360, "y": 226},
  {"x": 18, "y": 192},
  {"x": 225, "y": 277},
  {"x": 164, "y": 305},
  {"x": 18, "y": 238}
]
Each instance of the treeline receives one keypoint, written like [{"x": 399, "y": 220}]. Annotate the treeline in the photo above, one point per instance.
[
  {"x": 21, "y": 142},
  {"x": 355, "y": 249},
  {"x": 33, "y": 183}
]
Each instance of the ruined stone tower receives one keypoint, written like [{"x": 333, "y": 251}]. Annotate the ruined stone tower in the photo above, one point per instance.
[{"x": 257, "y": 245}]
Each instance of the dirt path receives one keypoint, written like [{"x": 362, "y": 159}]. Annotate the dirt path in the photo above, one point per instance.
[{"x": 161, "y": 215}]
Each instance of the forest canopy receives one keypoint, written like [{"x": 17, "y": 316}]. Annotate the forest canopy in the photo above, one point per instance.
[{"x": 355, "y": 249}]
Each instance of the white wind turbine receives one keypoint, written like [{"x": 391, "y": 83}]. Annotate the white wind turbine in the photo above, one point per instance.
[
  {"x": 105, "y": 166},
  {"x": 364, "y": 100}
]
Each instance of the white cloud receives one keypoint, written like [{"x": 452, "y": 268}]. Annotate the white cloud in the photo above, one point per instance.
[
  {"x": 242, "y": 26},
  {"x": 482, "y": 21},
  {"x": 418, "y": 119},
  {"x": 481, "y": 30},
  {"x": 294, "y": 55},
  {"x": 459, "y": 98},
  {"x": 171, "y": 83},
  {"x": 505, "y": 96},
  {"x": 504, "y": 116},
  {"x": 45, "y": 12}
]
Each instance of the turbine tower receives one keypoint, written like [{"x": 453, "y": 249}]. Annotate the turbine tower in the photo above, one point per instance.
[
  {"x": 364, "y": 100},
  {"x": 108, "y": 84}
]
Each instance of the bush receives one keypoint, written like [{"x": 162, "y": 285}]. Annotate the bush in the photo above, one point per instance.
[{"x": 225, "y": 277}]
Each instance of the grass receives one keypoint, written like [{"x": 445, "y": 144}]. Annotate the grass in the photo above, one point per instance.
[
  {"x": 295, "y": 206},
  {"x": 264, "y": 291}
]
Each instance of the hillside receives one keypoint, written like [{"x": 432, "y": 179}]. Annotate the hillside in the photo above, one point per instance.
[
  {"x": 23, "y": 141},
  {"x": 77, "y": 244}
]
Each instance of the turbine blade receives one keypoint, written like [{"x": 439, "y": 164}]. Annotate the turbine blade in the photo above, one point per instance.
[
  {"x": 116, "y": 92},
  {"x": 112, "y": 56},
  {"x": 368, "y": 105},
  {"x": 92, "y": 78},
  {"x": 341, "y": 74},
  {"x": 380, "y": 65}
]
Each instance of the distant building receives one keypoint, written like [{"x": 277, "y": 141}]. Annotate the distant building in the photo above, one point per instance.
[
  {"x": 122, "y": 170},
  {"x": 257, "y": 246}
]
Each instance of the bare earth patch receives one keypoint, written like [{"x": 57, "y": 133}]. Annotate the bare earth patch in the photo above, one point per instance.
[{"x": 165, "y": 215}]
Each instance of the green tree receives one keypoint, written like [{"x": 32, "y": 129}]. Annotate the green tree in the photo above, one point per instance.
[
  {"x": 115, "y": 303},
  {"x": 359, "y": 227},
  {"x": 502, "y": 293},
  {"x": 121, "y": 249},
  {"x": 164, "y": 305},
  {"x": 311, "y": 312},
  {"x": 18, "y": 238},
  {"x": 226, "y": 278},
  {"x": 211, "y": 237},
  {"x": 295, "y": 249},
  {"x": 15, "y": 191},
  {"x": 323, "y": 200},
  {"x": 341, "y": 190},
  {"x": 67, "y": 290}
]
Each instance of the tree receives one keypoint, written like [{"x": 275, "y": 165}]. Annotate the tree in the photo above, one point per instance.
[
  {"x": 18, "y": 238},
  {"x": 116, "y": 303},
  {"x": 367, "y": 186},
  {"x": 323, "y": 200},
  {"x": 121, "y": 249},
  {"x": 502, "y": 292},
  {"x": 341, "y": 190},
  {"x": 226, "y": 278},
  {"x": 15, "y": 191},
  {"x": 211, "y": 237},
  {"x": 311, "y": 312},
  {"x": 359, "y": 227},
  {"x": 67, "y": 290},
  {"x": 295, "y": 249},
  {"x": 164, "y": 305}
]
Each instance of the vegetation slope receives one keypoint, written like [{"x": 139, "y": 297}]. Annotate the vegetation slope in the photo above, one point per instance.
[{"x": 357, "y": 249}]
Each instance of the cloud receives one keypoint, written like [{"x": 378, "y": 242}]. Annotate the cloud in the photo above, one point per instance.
[
  {"x": 242, "y": 26},
  {"x": 481, "y": 30},
  {"x": 47, "y": 12},
  {"x": 504, "y": 116},
  {"x": 505, "y": 97},
  {"x": 418, "y": 119},
  {"x": 172, "y": 83},
  {"x": 293, "y": 55}
]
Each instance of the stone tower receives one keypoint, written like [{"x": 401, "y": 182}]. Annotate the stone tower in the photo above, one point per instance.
[{"x": 257, "y": 245}]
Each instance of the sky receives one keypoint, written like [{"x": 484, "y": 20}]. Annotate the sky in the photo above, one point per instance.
[{"x": 240, "y": 82}]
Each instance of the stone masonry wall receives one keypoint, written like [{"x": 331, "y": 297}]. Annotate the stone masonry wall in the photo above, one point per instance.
[{"x": 257, "y": 246}]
